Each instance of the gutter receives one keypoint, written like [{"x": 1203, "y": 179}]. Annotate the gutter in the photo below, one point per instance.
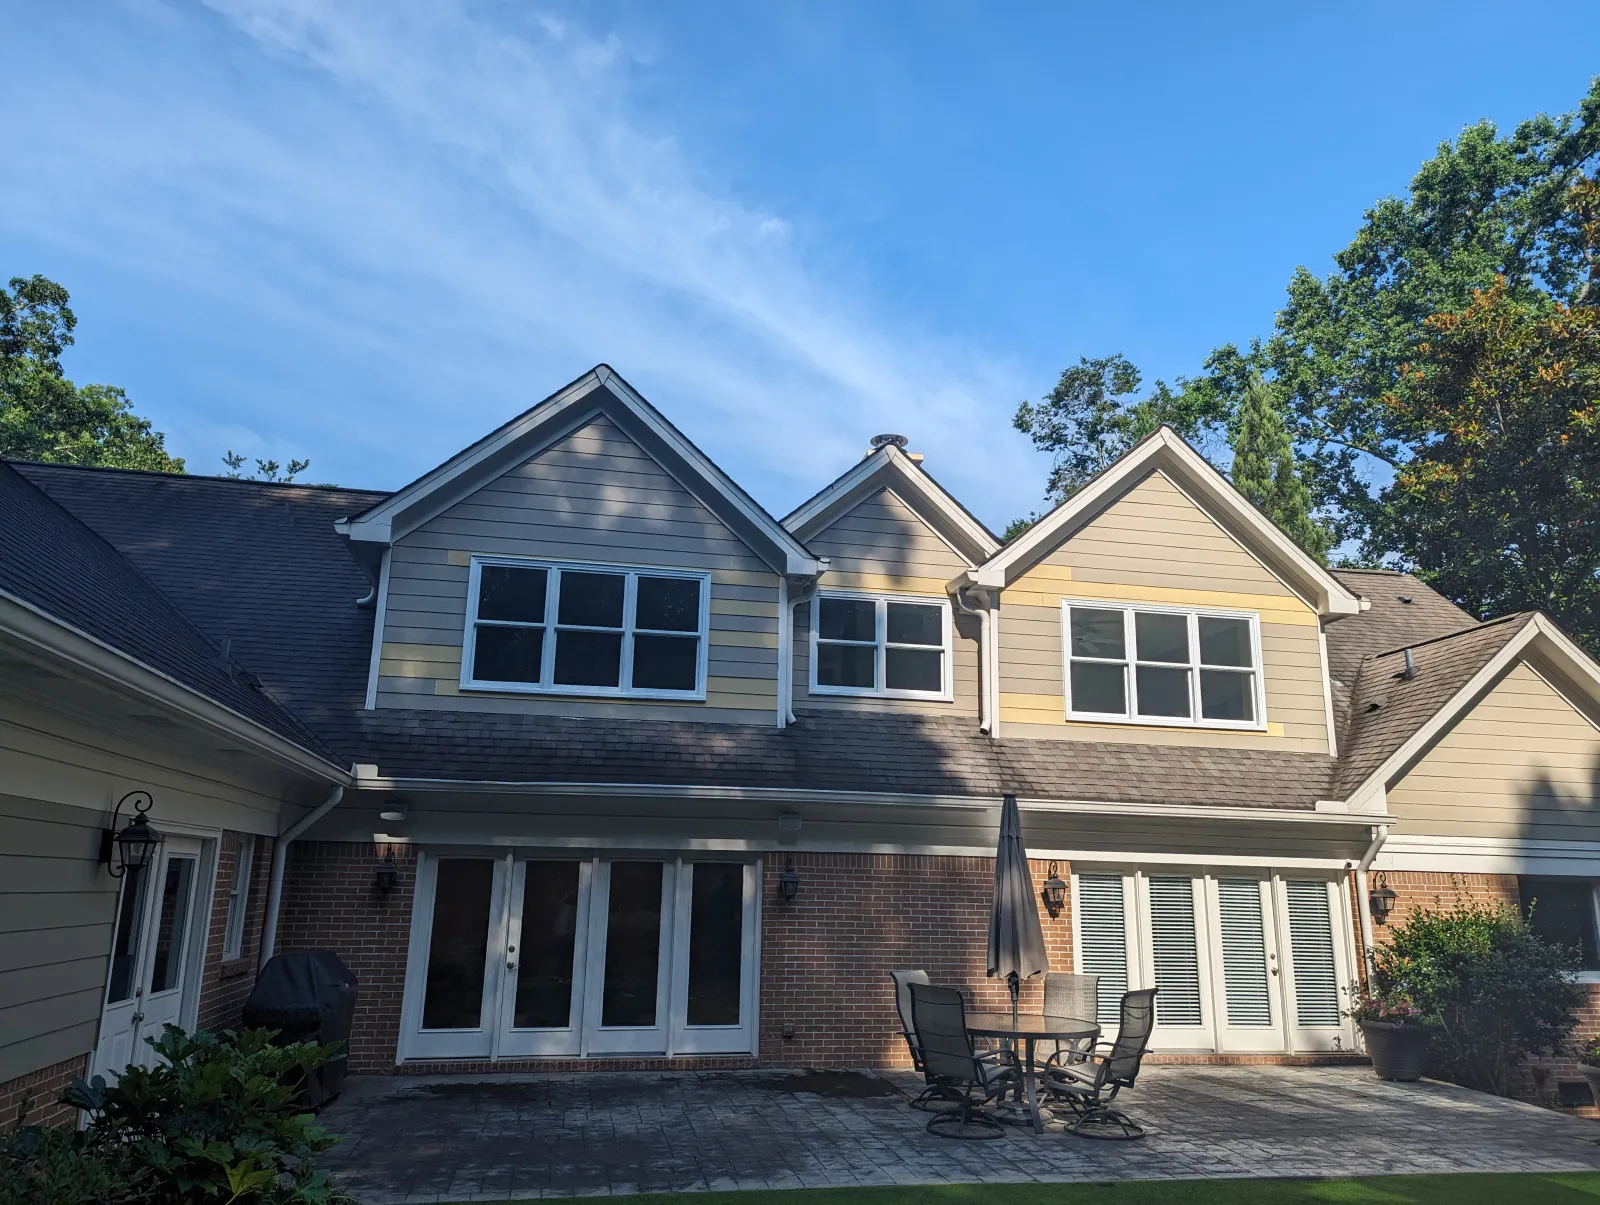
[
  {"x": 986, "y": 703},
  {"x": 1380, "y": 833},
  {"x": 280, "y": 855},
  {"x": 786, "y": 643}
]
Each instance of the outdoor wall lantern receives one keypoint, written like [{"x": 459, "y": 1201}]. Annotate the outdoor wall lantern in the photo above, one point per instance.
[
  {"x": 131, "y": 847},
  {"x": 1055, "y": 892},
  {"x": 788, "y": 881},
  {"x": 388, "y": 874},
  {"x": 1382, "y": 900}
]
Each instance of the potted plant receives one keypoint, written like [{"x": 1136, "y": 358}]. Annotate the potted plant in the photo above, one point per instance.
[
  {"x": 1589, "y": 1064},
  {"x": 1395, "y": 1035}
]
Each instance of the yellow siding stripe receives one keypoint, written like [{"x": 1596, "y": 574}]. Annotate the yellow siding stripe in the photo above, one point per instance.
[
  {"x": 1272, "y": 609},
  {"x": 887, "y": 583}
]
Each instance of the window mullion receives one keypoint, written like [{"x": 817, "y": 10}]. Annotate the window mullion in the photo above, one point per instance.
[
  {"x": 630, "y": 600},
  {"x": 1194, "y": 667},
  {"x": 547, "y": 653},
  {"x": 1130, "y": 654},
  {"x": 880, "y": 655}
]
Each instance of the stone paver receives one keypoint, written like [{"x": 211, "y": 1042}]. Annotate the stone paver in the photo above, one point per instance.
[{"x": 515, "y": 1137}]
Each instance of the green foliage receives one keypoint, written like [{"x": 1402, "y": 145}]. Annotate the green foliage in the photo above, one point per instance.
[
  {"x": 1016, "y": 527},
  {"x": 216, "y": 1120},
  {"x": 1264, "y": 470},
  {"x": 1092, "y": 417},
  {"x": 43, "y": 415},
  {"x": 1490, "y": 990},
  {"x": 266, "y": 470}
]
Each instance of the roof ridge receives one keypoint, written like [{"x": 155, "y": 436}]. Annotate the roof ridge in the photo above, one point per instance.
[
  {"x": 1479, "y": 627},
  {"x": 208, "y": 477}
]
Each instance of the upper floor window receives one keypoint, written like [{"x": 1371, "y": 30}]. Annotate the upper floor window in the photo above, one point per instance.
[
  {"x": 1159, "y": 665},
  {"x": 585, "y": 629},
  {"x": 863, "y": 644}
]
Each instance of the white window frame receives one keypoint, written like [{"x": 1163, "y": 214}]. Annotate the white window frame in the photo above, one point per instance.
[
  {"x": 239, "y": 898},
  {"x": 546, "y": 685},
  {"x": 1130, "y": 662},
  {"x": 881, "y": 646}
]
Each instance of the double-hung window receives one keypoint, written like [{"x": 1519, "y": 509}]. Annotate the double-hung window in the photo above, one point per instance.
[
  {"x": 585, "y": 629},
  {"x": 864, "y": 644},
  {"x": 1162, "y": 665}
]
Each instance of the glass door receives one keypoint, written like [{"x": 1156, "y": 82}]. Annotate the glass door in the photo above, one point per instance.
[
  {"x": 713, "y": 974},
  {"x": 1172, "y": 907},
  {"x": 1315, "y": 991},
  {"x": 459, "y": 950},
  {"x": 630, "y": 933},
  {"x": 1247, "y": 980},
  {"x": 546, "y": 945}
]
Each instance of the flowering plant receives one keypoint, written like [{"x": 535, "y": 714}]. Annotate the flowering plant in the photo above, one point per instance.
[
  {"x": 1589, "y": 1053},
  {"x": 1396, "y": 1008}
]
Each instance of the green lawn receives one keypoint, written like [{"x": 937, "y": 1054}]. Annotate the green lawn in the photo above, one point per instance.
[{"x": 1555, "y": 1189}]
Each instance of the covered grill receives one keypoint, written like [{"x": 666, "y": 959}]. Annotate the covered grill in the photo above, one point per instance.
[{"x": 307, "y": 996}]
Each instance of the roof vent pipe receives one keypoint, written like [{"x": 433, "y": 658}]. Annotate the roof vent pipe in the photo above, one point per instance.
[{"x": 1410, "y": 670}]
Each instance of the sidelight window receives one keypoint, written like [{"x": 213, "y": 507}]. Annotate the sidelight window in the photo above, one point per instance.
[{"x": 587, "y": 630}]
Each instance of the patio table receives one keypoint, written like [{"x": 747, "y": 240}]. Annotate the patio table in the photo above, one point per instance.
[{"x": 1026, "y": 1031}]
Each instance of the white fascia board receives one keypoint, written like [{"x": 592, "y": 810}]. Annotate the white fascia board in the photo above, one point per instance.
[
  {"x": 1166, "y": 450},
  {"x": 1489, "y": 855},
  {"x": 890, "y": 460},
  {"x": 31, "y": 626}
]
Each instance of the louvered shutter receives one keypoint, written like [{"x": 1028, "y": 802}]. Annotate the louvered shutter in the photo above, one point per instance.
[
  {"x": 1244, "y": 953},
  {"x": 1316, "y": 981},
  {"x": 1174, "y": 951},
  {"x": 1103, "y": 938}
]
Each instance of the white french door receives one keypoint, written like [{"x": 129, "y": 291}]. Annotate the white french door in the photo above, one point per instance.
[
  {"x": 155, "y": 954},
  {"x": 1243, "y": 961},
  {"x": 519, "y": 957}
]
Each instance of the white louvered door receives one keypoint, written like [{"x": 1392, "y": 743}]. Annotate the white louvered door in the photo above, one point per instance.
[
  {"x": 1101, "y": 931},
  {"x": 1247, "y": 973},
  {"x": 1172, "y": 907},
  {"x": 1316, "y": 974}
]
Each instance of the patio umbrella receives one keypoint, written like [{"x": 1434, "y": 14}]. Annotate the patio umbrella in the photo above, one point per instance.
[{"x": 1016, "y": 942}]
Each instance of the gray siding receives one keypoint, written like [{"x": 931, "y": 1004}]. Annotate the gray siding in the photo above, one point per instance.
[
  {"x": 57, "y": 907},
  {"x": 593, "y": 497}
]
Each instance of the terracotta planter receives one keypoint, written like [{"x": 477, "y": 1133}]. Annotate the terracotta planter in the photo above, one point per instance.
[{"x": 1396, "y": 1049}]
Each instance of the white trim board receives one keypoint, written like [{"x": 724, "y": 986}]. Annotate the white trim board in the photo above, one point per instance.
[{"x": 1489, "y": 855}]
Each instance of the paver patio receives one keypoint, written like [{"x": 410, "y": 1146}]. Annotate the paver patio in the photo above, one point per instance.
[{"x": 506, "y": 1137}]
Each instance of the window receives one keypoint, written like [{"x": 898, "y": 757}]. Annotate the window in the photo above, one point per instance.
[
  {"x": 568, "y": 629},
  {"x": 1563, "y": 911},
  {"x": 239, "y": 898},
  {"x": 1162, "y": 666},
  {"x": 873, "y": 645}
]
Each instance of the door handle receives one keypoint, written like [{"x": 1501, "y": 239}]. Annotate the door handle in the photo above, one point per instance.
[
  {"x": 511, "y": 966},
  {"x": 138, "y": 1018},
  {"x": 1274, "y": 970}
]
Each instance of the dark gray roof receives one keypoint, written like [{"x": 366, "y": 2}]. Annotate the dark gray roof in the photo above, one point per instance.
[
  {"x": 829, "y": 751},
  {"x": 52, "y": 561},
  {"x": 1388, "y": 623}
]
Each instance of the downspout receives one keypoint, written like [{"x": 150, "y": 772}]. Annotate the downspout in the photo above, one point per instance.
[
  {"x": 785, "y": 651},
  {"x": 985, "y": 658},
  {"x": 1380, "y": 833},
  {"x": 789, "y": 605},
  {"x": 280, "y": 853}
]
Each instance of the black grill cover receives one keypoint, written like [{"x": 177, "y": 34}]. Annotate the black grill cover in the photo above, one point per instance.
[{"x": 307, "y": 996}]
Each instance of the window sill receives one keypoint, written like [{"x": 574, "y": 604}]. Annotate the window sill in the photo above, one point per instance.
[
  {"x": 582, "y": 692},
  {"x": 1146, "y": 721},
  {"x": 845, "y": 692},
  {"x": 232, "y": 968}
]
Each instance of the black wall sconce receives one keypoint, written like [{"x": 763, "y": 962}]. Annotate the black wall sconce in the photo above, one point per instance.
[
  {"x": 1055, "y": 892},
  {"x": 388, "y": 874},
  {"x": 788, "y": 881},
  {"x": 131, "y": 847},
  {"x": 1382, "y": 900}
]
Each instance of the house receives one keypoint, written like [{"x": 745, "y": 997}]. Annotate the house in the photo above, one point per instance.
[{"x": 581, "y": 759}]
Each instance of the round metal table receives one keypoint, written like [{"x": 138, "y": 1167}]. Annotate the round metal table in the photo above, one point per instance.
[{"x": 1028, "y": 1030}]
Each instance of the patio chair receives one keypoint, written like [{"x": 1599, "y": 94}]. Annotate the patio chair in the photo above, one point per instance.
[
  {"x": 1089, "y": 1087},
  {"x": 963, "y": 1074},
  {"x": 932, "y": 1094},
  {"x": 1067, "y": 995}
]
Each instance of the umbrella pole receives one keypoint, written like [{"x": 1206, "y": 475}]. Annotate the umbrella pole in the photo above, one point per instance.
[{"x": 1015, "y": 984}]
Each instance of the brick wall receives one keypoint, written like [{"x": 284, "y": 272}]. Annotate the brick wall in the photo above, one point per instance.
[
  {"x": 825, "y": 959},
  {"x": 41, "y": 1089},
  {"x": 225, "y": 983},
  {"x": 331, "y": 902}
]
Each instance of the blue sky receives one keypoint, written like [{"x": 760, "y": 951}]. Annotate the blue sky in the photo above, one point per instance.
[{"x": 368, "y": 233}]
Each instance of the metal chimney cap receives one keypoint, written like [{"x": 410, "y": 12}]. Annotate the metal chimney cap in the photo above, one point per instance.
[{"x": 882, "y": 441}]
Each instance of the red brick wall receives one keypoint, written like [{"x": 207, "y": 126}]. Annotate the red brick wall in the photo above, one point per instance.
[
  {"x": 1442, "y": 891},
  {"x": 331, "y": 902},
  {"x": 825, "y": 959},
  {"x": 41, "y": 1089},
  {"x": 226, "y": 983}
]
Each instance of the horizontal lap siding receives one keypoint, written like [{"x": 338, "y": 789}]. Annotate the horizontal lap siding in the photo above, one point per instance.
[
  {"x": 882, "y": 546},
  {"x": 57, "y": 907},
  {"x": 1156, "y": 546},
  {"x": 1522, "y": 763},
  {"x": 594, "y": 497}
]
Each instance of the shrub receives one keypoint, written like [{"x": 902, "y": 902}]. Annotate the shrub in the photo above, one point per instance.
[
  {"x": 1490, "y": 990},
  {"x": 215, "y": 1122}
]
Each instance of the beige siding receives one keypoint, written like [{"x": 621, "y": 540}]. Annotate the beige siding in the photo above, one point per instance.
[
  {"x": 1154, "y": 545},
  {"x": 882, "y": 546},
  {"x": 1522, "y": 763},
  {"x": 593, "y": 497}
]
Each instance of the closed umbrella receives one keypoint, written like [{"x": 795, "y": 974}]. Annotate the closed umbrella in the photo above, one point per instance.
[{"x": 1016, "y": 942}]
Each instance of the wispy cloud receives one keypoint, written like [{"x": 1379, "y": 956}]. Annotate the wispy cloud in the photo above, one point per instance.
[{"x": 481, "y": 208}]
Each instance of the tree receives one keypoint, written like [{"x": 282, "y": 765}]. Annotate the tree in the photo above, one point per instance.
[
  {"x": 1487, "y": 207},
  {"x": 266, "y": 470},
  {"x": 1264, "y": 470},
  {"x": 43, "y": 415},
  {"x": 1092, "y": 417}
]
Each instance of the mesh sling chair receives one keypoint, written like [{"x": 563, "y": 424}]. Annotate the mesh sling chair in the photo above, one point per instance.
[
  {"x": 1071, "y": 996},
  {"x": 1089, "y": 1087},
  {"x": 932, "y": 1094},
  {"x": 962, "y": 1073}
]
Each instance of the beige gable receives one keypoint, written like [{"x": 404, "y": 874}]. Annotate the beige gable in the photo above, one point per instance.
[
  {"x": 1154, "y": 545},
  {"x": 1522, "y": 763},
  {"x": 883, "y": 546},
  {"x": 594, "y": 496}
]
